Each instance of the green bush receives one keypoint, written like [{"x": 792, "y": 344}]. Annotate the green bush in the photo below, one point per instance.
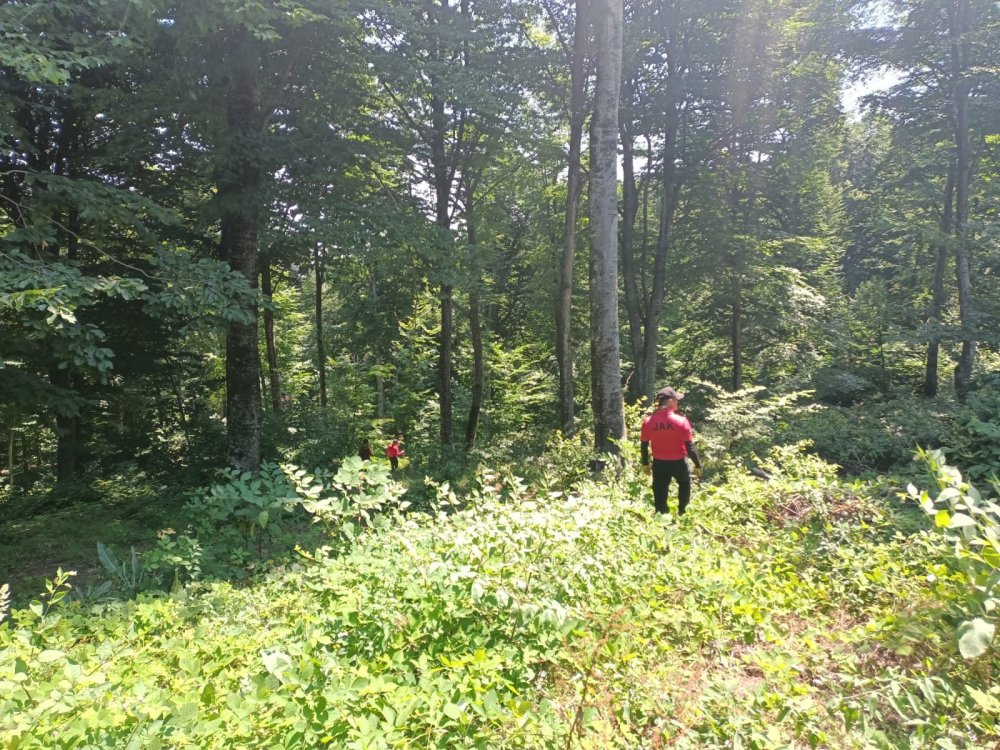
[{"x": 778, "y": 613}]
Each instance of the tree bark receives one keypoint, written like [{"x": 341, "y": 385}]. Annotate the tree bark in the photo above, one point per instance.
[
  {"x": 320, "y": 347},
  {"x": 609, "y": 415},
  {"x": 630, "y": 209},
  {"x": 574, "y": 188},
  {"x": 938, "y": 296},
  {"x": 958, "y": 29},
  {"x": 239, "y": 187},
  {"x": 668, "y": 206},
  {"x": 478, "y": 372},
  {"x": 11, "y": 444},
  {"x": 476, "y": 332},
  {"x": 736, "y": 332},
  {"x": 270, "y": 342},
  {"x": 379, "y": 380},
  {"x": 442, "y": 190}
]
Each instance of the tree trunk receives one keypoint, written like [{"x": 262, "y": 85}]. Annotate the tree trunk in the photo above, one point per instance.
[
  {"x": 379, "y": 380},
  {"x": 320, "y": 347},
  {"x": 668, "y": 206},
  {"x": 270, "y": 342},
  {"x": 609, "y": 416},
  {"x": 630, "y": 209},
  {"x": 938, "y": 296},
  {"x": 958, "y": 27},
  {"x": 736, "y": 332},
  {"x": 574, "y": 188},
  {"x": 442, "y": 190},
  {"x": 239, "y": 187},
  {"x": 11, "y": 436},
  {"x": 67, "y": 430},
  {"x": 479, "y": 372},
  {"x": 476, "y": 330}
]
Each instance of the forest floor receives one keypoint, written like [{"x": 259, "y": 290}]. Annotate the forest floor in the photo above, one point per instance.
[
  {"x": 41, "y": 534},
  {"x": 799, "y": 612}
]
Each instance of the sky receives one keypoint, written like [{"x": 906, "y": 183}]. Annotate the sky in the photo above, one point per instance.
[{"x": 852, "y": 93}]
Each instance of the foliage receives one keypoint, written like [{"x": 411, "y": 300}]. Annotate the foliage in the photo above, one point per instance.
[
  {"x": 354, "y": 499},
  {"x": 743, "y": 423},
  {"x": 786, "y": 612},
  {"x": 972, "y": 525},
  {"x": 129, "y": 574}
]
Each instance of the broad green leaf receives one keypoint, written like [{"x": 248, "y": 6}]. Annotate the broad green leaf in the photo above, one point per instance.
[
  {"x": 975, "y": 637},
  {"x": 960, "y": 520}
]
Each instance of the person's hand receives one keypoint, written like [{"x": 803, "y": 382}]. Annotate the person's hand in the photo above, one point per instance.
[
  {"x": 647, "y": 469},
  {"x": 698, "y": 471}
]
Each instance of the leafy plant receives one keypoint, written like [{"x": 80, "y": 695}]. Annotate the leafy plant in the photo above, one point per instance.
[
  {"x": 130, "y": 574},
  {"x": 176, "y": 557},
  {"x": 972, "y": 524},
  {"x": 356, "y": 495}
]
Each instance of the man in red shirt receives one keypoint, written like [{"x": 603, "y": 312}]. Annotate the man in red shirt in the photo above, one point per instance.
[
  {"x": 393, "y": 451},
  {"x": 670, "y": 436}
]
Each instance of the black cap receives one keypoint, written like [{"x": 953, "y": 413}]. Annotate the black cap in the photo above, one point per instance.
[{"x": 664, "y": 393}]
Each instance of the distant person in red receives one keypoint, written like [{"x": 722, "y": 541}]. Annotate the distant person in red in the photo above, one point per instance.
[
  {"x": 670, "y": 436},
  {"x": 393, "y": 451},
  {"x": 365, "y": 451}
]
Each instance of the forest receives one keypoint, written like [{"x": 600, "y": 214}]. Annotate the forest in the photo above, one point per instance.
[{"x": 245, "y": 242}]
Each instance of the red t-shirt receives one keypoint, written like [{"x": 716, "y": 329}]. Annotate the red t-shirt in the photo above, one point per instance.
[
  {"x": 393, "y": 450},
  {"x": 667, "y": 432}
]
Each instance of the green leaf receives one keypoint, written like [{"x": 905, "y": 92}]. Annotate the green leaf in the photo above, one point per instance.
[
  {"x": 960, "y": 520},
  {"x": 276, "y": 662},
  {"x": 942, "y": 519},
  {"x": 985, "y": 701},
  {"x": 262, "y": 519},
  {"x": 452, "y": 711},
  {"x": 50, "y": 655},
  {"x": 975, "y": 637},
  {"x": 107, "y": 558}
]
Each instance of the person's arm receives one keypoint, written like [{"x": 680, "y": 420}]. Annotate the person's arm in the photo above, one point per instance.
[
  {"x": 693, "y": 453},
  {"x": 694, "y": 457},
  {"x": 644, "y": 446}
]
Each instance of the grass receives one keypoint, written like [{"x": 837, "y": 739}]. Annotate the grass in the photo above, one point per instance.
[
  {"x": 43, "y": 533},
  {"x": 793, "y": 613}
]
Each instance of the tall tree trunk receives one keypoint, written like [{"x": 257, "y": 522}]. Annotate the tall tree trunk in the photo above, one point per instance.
[
  {"x": 479, "y": 371},
  {"x": 239, "y": 189},
  {"x": 736, "y": 331},
  {"x": 442, "y": 191},
  {"x": 574, "y": 188},
  {"x": 938, "y": 296},
  {"x": 320, "y": 346},
  {"x": 11, "y": 444},
  {"x": 270, "y": 342},
  {"x": 958, "y": 27},
  {"x": 67, "y": 431},
  {"x": 670, "y": 192},
  {"x": 609, "y": 415},
  {"x": 379, "y": 380},
  {"x": 630, "y": 209},
  {"x": 475, "y": 327}
]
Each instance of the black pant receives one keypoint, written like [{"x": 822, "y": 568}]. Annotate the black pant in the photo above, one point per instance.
[
  {"x": 394, "y": 462},
  {"x": 663, "y": 472}
]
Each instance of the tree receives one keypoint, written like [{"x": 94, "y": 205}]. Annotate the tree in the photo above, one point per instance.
[
  {"x": 946, "y": 50},
  {"x": 574, "y": 188},
  {"x": 608, "y": 407}
]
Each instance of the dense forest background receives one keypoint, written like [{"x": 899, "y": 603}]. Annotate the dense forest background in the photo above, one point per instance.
[
  {"x": 236, "y": 231},
  {"x": 239, "y": 239}
]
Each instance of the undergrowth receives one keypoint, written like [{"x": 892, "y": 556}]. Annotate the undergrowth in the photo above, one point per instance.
[{"x": 797, "y": 611}]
